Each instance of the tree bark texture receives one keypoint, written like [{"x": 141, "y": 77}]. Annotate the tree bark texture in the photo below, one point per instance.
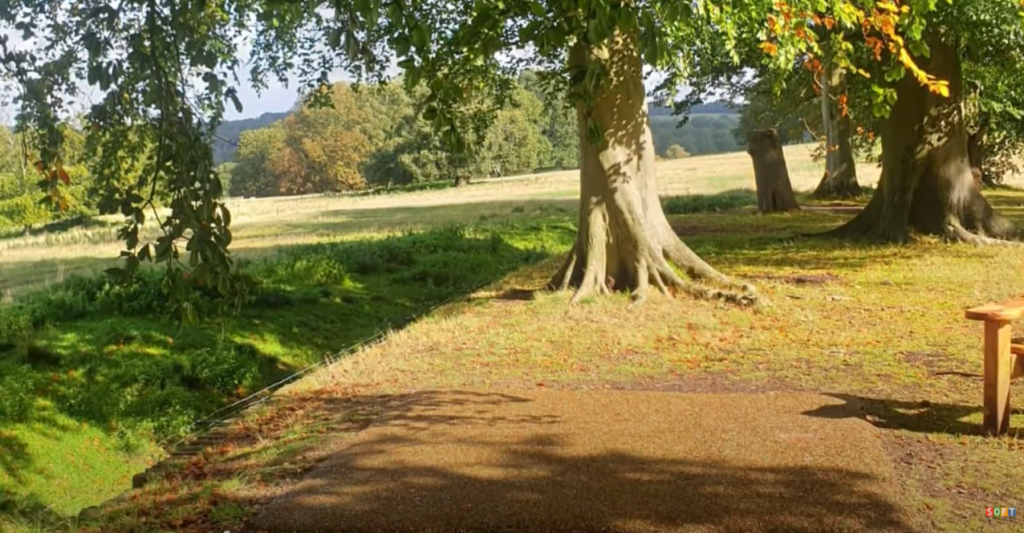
[
  {"x": 624, "y": 241},
  {"x": 926, "y": 184},
  {"x": 826, "y": 118},
  {"x": 774, "y": 190},
  {"x": 976, "y": 153},
  {"x": 840, "y": 179}
]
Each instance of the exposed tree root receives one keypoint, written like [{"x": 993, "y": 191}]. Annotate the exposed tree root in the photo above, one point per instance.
[
  {"x": 956, "y": 232},
  {"x": 589, "y": 278}
]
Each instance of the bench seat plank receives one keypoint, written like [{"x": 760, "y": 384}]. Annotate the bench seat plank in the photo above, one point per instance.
[{"x": 1011, "y": 309}]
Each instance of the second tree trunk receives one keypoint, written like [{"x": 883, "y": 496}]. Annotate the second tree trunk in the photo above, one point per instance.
[
  {"x": 926, "y": 183},
  {"x": 774, "y": 190}
]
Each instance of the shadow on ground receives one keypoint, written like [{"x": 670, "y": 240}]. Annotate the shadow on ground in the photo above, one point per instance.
[
  {"x": 916, "y": 417},
  {"x": 476, "y": 461}
]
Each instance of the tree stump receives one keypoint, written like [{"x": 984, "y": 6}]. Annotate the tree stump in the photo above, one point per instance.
[{"x": 774, "y": 190}]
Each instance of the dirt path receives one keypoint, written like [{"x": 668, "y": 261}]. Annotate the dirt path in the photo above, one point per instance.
[{"x": 537, "y": 461}]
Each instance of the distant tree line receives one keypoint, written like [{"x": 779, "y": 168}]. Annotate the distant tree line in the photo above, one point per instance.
[
  {"x": 370, "y": 136},
  {"x": 376, "y": 136}
]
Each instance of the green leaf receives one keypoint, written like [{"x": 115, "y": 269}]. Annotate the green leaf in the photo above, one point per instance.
[
  {"x": 420, "y": 36},
  {"x": 412, "y": 77},
  {"x": 919, "y": 48},
  {"x": 232, "y": 94},
  {"x": 93, "y": 75},
  {"x": 401, "y": 44},
  {"x": 334, "y": 38},
  {"x": 430, "y": 113},
  {"x": 895, "y": 73}
]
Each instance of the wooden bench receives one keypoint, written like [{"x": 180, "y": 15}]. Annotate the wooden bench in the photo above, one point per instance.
[{"x": 1004, "y": 359}]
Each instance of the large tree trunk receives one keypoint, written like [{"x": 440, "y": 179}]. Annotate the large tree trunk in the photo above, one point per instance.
[
  {"x": 774, "y": 190},
  {"x": 840, "y": 179},
  {"x": 926, "y": 183},
  {"x": 624, "y": 242}
]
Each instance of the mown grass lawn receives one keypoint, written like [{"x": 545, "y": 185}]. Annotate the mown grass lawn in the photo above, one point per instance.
[{"x": 880, "y": 327}]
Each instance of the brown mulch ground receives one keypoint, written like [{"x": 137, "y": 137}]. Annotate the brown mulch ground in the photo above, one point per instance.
[{"x": 644, "y": 461}]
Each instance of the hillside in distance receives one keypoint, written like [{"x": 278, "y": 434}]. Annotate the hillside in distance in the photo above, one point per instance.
[
  {"x": 228, "y": 133},
  {"x": 718, "y": 124}
]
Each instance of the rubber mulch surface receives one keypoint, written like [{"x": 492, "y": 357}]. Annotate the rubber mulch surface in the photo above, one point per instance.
[{"x": 545, "y": 461}]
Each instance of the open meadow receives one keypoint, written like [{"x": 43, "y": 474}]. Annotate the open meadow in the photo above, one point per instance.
[
  {"x": 261, "y": 225},
  {"x": 96, "y": 380}
]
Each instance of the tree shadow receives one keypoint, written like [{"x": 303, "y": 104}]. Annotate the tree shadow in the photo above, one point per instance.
[
  {"x": 916, "y": 417},
  {"x": 455, "y": 210},
  {"x": 522, "y": 475}
]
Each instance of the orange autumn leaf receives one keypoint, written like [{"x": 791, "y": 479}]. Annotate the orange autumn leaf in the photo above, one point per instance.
[
  {"x": 887, "y": 26},
  {"x": 63, "y": 175},
  {"x": 769, "y": 48},
  {"x": 831, "y": 22},
  {"x": 876, "y": 45}
]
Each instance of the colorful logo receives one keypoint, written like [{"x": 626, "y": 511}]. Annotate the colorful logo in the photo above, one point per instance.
[{"x": 1001, "y": 512}]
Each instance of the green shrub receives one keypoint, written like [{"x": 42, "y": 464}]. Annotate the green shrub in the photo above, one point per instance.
[
  {"x": 223, "y": 368},
  {"x": 676, "y": 152},
  {"x": 316, "y": 269},
  {"x": 18, "y": 384},
  {"x": 24, "y": 210},
  {"x": 15, "y": 325}
]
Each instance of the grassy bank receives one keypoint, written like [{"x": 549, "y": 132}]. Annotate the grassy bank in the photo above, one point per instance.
[{"x": 98, "y": 370}]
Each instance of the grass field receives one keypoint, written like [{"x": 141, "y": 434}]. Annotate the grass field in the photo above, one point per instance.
[
  {"x": 99, "y": 371},
  {"x": 260, "y": 225}
]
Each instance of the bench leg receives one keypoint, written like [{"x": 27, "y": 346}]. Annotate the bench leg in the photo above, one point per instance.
[{"x": 997, "y": 377}]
